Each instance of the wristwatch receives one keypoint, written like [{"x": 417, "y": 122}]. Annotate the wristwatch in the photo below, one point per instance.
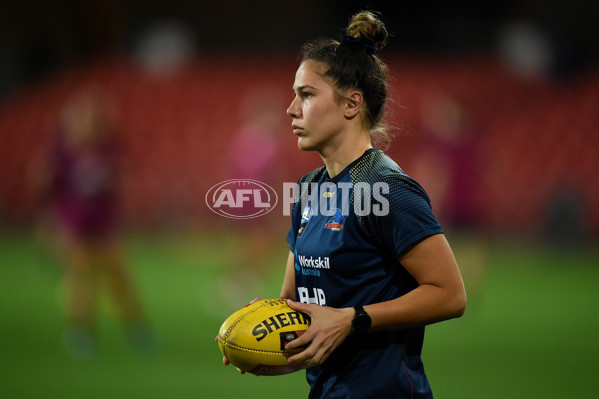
[{"x": 361, "y": 321}]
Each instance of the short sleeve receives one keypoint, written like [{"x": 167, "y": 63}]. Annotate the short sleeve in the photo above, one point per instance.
[{"x": 409, "y": 218}]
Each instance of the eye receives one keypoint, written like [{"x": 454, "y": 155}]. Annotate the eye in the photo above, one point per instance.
[{"x": 305, "y": 95}]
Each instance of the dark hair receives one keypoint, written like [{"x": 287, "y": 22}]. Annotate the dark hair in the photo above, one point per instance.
[{"x": 353, "y": 64}]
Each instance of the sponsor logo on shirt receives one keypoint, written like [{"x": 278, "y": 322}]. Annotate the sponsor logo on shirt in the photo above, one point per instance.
[
  {"x": 306, "y": 215},
  {"x": 336, "y": 222},
  {"x": 311, "y": 266},
  {"x": 312, "y": 295},
  {"x": 314, "y": 263}
]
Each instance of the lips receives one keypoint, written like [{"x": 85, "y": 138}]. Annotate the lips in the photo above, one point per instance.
[{"x": 297, "y": 130}]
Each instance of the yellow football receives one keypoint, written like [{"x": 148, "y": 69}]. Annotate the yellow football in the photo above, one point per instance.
[{"x": 254, "y": 337}]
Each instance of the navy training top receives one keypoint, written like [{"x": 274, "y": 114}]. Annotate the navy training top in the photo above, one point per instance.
[{"x": 347, "y": 235}]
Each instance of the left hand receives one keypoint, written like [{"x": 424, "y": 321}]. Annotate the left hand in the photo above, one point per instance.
[{"x": 328, "y": 329}]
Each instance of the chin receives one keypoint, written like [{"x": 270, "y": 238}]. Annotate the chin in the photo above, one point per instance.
[{"x": 305, "y": 145}]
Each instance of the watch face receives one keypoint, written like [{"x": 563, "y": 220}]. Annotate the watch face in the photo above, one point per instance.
[{"x": 361, "y": 322}]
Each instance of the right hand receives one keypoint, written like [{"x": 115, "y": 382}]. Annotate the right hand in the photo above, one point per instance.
[{"x": 225, "y": 360}]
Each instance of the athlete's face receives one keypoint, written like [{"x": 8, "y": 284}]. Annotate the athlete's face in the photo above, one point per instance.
[{"x": 316, "y": 109}]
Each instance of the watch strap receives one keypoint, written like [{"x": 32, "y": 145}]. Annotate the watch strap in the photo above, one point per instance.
[{"x": 361, "y": 321}]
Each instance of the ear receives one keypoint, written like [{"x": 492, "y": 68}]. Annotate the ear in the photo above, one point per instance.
[{"x": 353, "y": 104}]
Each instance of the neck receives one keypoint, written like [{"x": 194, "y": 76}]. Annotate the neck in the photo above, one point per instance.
[{"x": 338, "y": 158}]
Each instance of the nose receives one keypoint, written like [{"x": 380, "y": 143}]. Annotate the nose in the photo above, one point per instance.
[{"x": 294, "y": 109}]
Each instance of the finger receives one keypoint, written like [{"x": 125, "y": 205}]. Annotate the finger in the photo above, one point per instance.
[
  {"x": 300, "y": 307},
  {"x": 255, "y": 300},
  {"x": 309, "y": 358},
  {"x": 301, "y": 341},
  {"x": 226, "y": 362},
  {"x": 298, "y": 361},
  {"x": 303, "y": 359}
]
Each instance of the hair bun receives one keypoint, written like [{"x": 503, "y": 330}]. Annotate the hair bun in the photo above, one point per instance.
[{"x": 366, "y": 27}]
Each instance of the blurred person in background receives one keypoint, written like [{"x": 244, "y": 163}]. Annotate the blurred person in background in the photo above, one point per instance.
[
  {"x": 255, "y": 153},
  {"x": 450, "y": 167},
  {"x": 81, "y": 204}
]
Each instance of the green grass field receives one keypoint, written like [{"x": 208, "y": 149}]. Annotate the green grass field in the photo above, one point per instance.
[{"x": 531, "y": 329}]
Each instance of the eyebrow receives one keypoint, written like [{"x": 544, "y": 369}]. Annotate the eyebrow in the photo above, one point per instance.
[{"x": 302, "y": 88}]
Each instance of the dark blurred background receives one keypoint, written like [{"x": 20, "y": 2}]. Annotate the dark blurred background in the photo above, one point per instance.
[
  {"x": 43, "y": 36},
  {"x": 523, "y": 74},
  {"x": 495, "y": 110}
]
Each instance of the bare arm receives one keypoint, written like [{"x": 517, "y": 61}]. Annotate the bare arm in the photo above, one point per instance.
[
  {"x": 288, "y": 288},
  {"x": 440, "y": 295}
]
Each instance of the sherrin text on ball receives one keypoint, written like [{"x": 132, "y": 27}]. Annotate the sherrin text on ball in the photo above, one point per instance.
[{"x": 254, "y": 338}]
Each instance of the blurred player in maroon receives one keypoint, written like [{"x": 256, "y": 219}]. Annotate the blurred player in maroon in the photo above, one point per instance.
[
  {"x": 82, "y": 188},
  {"x": 255, "y": 153},
  {"x": 449, "y": 164}
]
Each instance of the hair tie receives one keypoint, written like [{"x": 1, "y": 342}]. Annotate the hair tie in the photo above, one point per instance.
[{"x": 370, "y": 48}]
